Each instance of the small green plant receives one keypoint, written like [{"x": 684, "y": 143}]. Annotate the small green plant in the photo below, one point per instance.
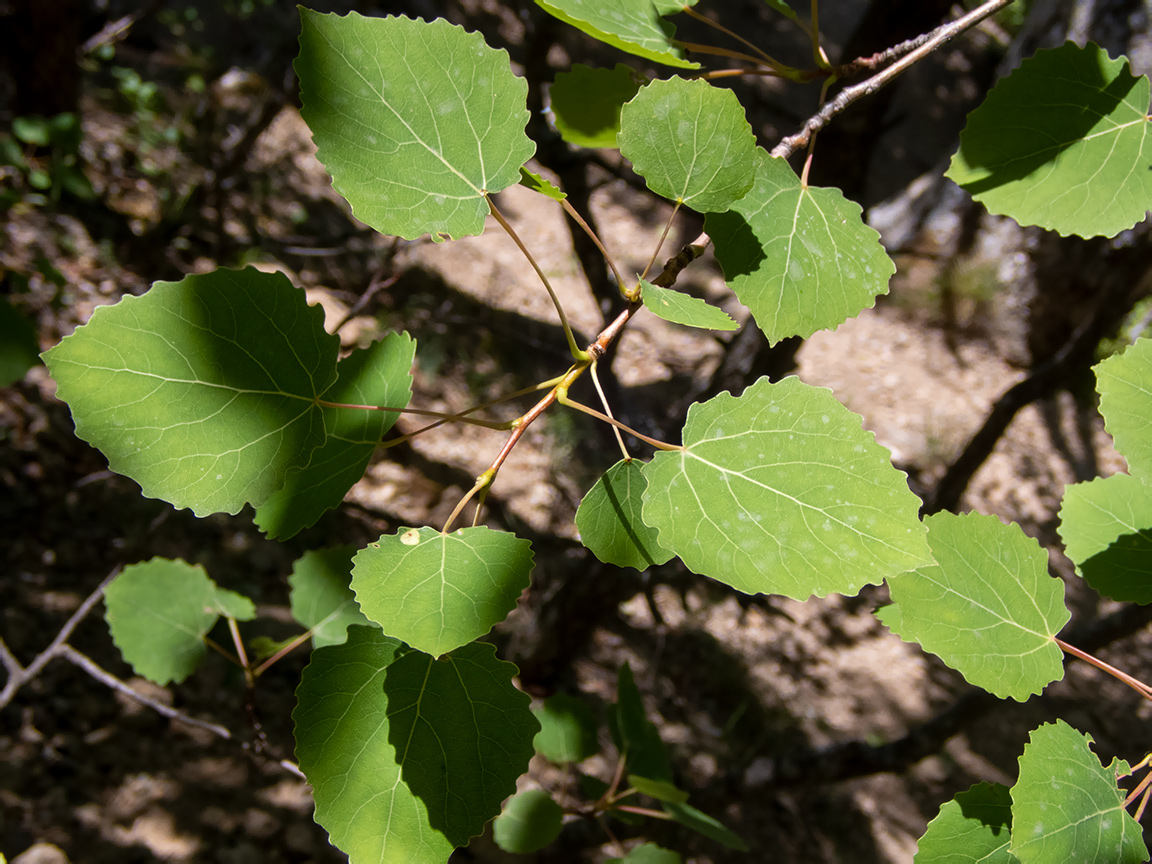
[
  {"x": 223, "y": 390},
  {"x": 41, "y": 161}
]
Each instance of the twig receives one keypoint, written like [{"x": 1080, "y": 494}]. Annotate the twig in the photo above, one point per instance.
[
  {"x": 109, "y": 680},
  {"x": 940, "y": 36}
]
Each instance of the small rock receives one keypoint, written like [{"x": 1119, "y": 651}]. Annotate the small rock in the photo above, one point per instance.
[{"x": 41, "y": 853}]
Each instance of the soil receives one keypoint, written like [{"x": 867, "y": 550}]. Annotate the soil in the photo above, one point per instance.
[{"x": 738, "y": 686}]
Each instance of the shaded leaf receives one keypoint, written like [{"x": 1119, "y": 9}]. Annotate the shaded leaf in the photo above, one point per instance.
[
  {"x": 800, "y": 258},
  {"x": 415, "y": 121},
  {"x": 661, "y": 790},
  {"x": 529, "y": 822},
  {"x": 586, "y": 103},
  {"x": 702, "y": 823},
  {"x": 681, "y": 308},
  {"x": 690, "y": 142},
  {"x": 781, "y": 491},
  {"x": 462, "y": 732},
  {"x": 202, "y": 391},
  {"x": 342, "y": 725},
  {"x": 634, "y": 26},
  {"x": 19, "y": 350},
  {"x": 438, "y": 591},
  {"x": 1124, "y": 382},
  {"x": 567, "y": 729},
  {"x": 648, "y": 853},
  {"x": 381, "y": 375},
  {"x": 1066, "y": 806},
  {"x": 1062, "y": 142},
  {"x": 320, "y": 596},
  {"x": 634, "y": 734},
  {"x": 609, "y": 520},
  {"x": 532, "y": 180},
  {"x": 987, "y": 608},
  {"x": 1106, "y": 525},
  {"x": 159, "y": 613},
  {"x": 973, "y": 828}
]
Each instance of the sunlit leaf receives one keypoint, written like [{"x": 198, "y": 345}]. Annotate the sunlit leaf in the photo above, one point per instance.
[
  {"x": 532, "y": 180},
  {"x": 437, "y": 591},
  {"x": 781, "y": 491},
  {"x": 342, "y": 725},
  {"x": 690, "y": 142},
  {"x": 988, "y": 607},
  {"x": 973, "y": 828},
  {"x": 681, "y": 308},
  {"x": 414, "y": 120},
  {"x": 799, "y": 257},
  {"x": 379, "y": 375},
  {"x": 586, "y": 103},
  {"x": 634, "y": 26},
  {"x": 1125, "y": 385},
  {"x": 462, "y": 734},
  {"x": 159, "y": 613},
  {"x": 609, "y": 520},
  {"x": 1106, "y": 525},
  {"x": 320, "y": 596},
  {"x": 1062, "y": 142},
  {"x": 202, "y": 391},
  {"x": 567, "y": 729},
  {"x": 529, "y": 822},
  {"x": 1066, "y": 806}
]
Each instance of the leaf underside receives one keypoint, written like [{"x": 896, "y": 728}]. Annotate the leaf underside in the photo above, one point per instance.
[
  {"x": 681, "y": 308},
  {"x": 1062, "y": 142},
  {"x": 781, "y": 491},
  {"x": 800, "y": 258},
  {"x": 987, "y": 608},
  {"x": 609, "y": 520},
  {"x": 203, "y": 390},
  {"x": 586, "y": 103},
  {"x": 414, "y": 120},
  {"x": 320, "y": 597}
]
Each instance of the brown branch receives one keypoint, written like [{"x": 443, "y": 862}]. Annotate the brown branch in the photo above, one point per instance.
[{"x": 938, "y": 37}]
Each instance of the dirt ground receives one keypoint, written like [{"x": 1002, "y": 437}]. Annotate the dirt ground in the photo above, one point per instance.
[{"x": 760, "y": 703}]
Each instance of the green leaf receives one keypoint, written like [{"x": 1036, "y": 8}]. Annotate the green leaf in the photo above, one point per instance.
[
  {"x": 800, "y": 258},
  {"x": 263, "y": 647},
  {"x": 462, "y": 732},
  {"x": 159, "y": 613},
  {"x": 19, "y": 350},
  {"x": 342, "y": 724},
  {"x": 437, "y": 591},
  {"x": 381, "y": 375},
  {"x": 320, "y": 597},
  {"x": 586, "y": 103},
  {"x": 702, "y": 823},
  {"x": 690, "y": 142},
  {"x": 415, "y": 121},
  {"x": 1066, "y": 805},
  {"x": 974, "y": 828},
  {"x": 567, "y": 729},
  {"x": 202, "y": 391},
  {"x": 1062, "y": 142},
  {"x": 634, "y": 26},
  {"x": 987, "y": 608},
  {"x": 1125, "y": 385},
  {"x": 681, "y": 308},
  {"x": 780, "y": 491},
  {"x": 635, "y": 735},
  {"x": 609, "y": 520},
  {"x": 532, "y": 180},
  {"x": 784, "y": 9},
  {"x": 661, "y": 790},
  {"x": 1106, "y": 525},
  {"x": 529, "y": 822},
  {"x": 648, "y": 853}
]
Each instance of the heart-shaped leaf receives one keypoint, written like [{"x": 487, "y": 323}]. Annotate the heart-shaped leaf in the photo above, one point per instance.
[
  {"x": 437, "y": 591},
  {"x": 416, "y": 121},
  {"x": 973, "y": 828},
  {"x": 320, "y": 597},
  {"x": 1106, "y": 526},
  {"x": 1125, "y": 385},
  {"x": 203, "y": 391},
  {"x": 781, "y": 491},
  {"x": 586, "y": 103},
  {"x": 634, "y": 26},
  {"x": 609, "y": 520}
]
